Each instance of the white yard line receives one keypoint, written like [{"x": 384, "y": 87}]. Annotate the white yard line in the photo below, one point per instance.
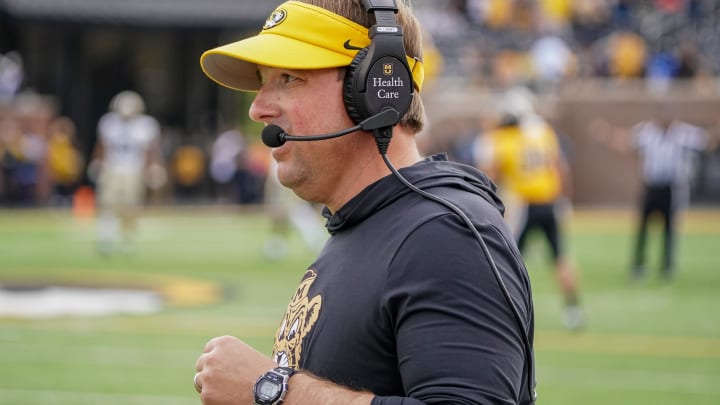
[{"x": 34, "y": 396}]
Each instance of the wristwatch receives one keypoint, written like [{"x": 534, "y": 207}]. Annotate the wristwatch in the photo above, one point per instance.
[{"x": 271, "y": 387}]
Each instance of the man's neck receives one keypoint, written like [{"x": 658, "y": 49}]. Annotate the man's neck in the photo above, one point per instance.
[{"x": 402, "y": 152}]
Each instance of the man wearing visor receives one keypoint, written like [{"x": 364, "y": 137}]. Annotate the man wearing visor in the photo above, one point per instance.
[{"x": 419, "y": 296}]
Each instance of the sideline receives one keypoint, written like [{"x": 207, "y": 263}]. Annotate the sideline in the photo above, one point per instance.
[
  {"x": 610, "y": 220},
  {"x": 627, "y": 344}
]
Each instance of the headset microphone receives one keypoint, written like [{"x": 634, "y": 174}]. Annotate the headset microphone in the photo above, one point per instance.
[{"x": 274, "y": 136}]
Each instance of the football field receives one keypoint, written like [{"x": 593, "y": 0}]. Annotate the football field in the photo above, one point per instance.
[{"x": 648, "y": 342}]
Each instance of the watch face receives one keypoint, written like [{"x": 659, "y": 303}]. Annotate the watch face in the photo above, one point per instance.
[{"x": 268, "y": 390}]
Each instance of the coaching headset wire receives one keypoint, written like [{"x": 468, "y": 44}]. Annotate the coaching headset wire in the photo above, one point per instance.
[{"x": 382, "y": 138}]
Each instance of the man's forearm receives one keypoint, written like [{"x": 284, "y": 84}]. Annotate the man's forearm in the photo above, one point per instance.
[{"x": 308, "y": 389}]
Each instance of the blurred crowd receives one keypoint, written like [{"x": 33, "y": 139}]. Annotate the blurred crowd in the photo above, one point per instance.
[
  {"x": 542, "y": 42},
  {"x": 482, "y": 43},
  {"x": 44, "y": 163},
  {"x": 37, "y": 154}
]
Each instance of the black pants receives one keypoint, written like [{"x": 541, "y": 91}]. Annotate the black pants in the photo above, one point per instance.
[{"x": 657, "y": 199}]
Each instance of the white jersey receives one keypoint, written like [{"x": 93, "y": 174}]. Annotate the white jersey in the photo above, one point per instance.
[{"x": 127, "y": 141}]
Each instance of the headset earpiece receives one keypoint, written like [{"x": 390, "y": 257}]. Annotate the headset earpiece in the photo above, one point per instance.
[
  {"x": 379, "y": 77},
  {"x": 349, "y": 86}
]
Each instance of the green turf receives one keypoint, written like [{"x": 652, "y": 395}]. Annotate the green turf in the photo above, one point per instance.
[{"x": 645, "y": 343}]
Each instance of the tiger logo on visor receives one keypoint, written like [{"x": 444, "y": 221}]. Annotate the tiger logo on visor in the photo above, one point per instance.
[{"x": 277, "y": 17}]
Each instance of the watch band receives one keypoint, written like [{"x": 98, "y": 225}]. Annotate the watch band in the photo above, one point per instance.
[{"x": 288, "y": 371}]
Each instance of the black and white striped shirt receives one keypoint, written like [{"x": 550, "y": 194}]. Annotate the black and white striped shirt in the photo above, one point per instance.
[{"x": 666, "y": 154}]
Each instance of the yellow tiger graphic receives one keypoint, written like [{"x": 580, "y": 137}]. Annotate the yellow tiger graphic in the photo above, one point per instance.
[{"x": 299, "y": 319}]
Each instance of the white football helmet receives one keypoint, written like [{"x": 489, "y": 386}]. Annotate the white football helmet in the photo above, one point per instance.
[
  {"x": 127, "y": 103},
  {"x": 518, "y": 102}
]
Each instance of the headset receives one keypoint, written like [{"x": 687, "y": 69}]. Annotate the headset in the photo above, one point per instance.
[
  {"x": 377, "y": 91},
  {"x": 379, "y": 77}
]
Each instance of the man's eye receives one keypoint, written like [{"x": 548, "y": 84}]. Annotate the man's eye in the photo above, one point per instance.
[{"x": 288, "y": 78}]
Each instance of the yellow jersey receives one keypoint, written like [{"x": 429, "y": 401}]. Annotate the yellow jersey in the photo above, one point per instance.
[{"x": 526, "y": 159}]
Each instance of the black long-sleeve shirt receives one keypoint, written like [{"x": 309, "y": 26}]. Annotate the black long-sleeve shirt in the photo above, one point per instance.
[{"x": 402, "y": 301}]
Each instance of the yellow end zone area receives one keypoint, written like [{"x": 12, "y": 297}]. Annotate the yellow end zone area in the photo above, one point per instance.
[{"x": 176, "y": 291}]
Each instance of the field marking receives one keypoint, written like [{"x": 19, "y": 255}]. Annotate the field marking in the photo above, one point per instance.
[
  {"x": 633, "y": 380},
  {"x": 623, "y": 221},
  {"x": 627, "y": 344},
  {"x": 120, "y": 356},
  {"x": 545, "y": 341},
  {"x": 175, "y": 290},
  {"x": 204, "y": 326},
  {"x": 25, "y": 396}
]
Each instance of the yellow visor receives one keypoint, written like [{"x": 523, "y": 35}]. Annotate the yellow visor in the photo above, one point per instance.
[{"x": 295, "y": 36}]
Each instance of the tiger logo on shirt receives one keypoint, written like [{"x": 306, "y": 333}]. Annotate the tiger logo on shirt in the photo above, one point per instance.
[{"x": 300, "y": 317}]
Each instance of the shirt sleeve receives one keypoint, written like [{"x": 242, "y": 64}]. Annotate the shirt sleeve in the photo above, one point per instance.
[
  {"x": 457, "y": 339},
  {"x": 696, "y": 138}
]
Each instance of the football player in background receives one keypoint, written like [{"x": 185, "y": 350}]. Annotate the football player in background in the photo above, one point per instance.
[
  {"x": 523, "y": 156},
  {"x": 126, "y": 159}
]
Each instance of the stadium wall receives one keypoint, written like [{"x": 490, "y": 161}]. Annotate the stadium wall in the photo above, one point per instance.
[{"x": 602, "y": 176}]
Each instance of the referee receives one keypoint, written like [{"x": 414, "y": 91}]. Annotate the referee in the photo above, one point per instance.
[{"x": 667, "y": 149}]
